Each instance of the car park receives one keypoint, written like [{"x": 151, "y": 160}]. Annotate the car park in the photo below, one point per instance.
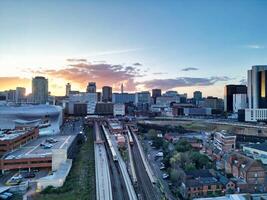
[{"x": 29, "y": 175}]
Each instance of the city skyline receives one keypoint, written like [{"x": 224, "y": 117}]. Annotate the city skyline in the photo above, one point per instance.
[{"x": 168, "y": 45}]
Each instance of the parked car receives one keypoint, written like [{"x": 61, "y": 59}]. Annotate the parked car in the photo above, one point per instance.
[
  {"x": 29, "y": 175},
  {"x": 165, "y": 176}
]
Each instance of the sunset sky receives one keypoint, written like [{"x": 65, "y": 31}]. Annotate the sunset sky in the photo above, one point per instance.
[{"x": 173, "y": 45}]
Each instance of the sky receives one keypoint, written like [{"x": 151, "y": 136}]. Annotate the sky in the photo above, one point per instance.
[{"x": 174, "y": 45}]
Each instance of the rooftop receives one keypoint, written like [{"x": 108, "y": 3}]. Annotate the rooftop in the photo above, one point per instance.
[
  {"x": 10, "y": 135},
  {"x": 261, "y": 147},
  {"x": 33, "y": 149}
]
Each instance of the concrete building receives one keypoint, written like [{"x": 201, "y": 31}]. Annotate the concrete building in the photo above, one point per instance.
[
  {"x": 156, "y": 93},
  {"x": 89, "y": 98},
  {"x": 39, "y": 90},
  {"x": 119, "y": 109},
  {"x": 20, "y": 95},
  {"x": 104, "y": 108},
  {"x": 49, "y": 118},
  {"x": 123, "y": 98},
  {"x": 225, "y": 142},
  {"x": 212, "y": 102},
  {"x": 107, "y": 94},
  {"x": 239, "y": 102},
  {"x": 11, "y": 95},
  {"x": 91, "y": 87},
  {"x": 11, "y": 140},
  {"x": 197, "y": 95},
  {"x": 257, "y": 91},
  {"x": 229, "y": 91},
  {"x": 68, "y": 89}
]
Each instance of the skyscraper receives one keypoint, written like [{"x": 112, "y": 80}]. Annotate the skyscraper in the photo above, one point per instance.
[
  {"x": 156, "y": 93},
  {"x": 229, "y": 91},
  {"x": 68, "y": 89},
  {"x": 197, "y": 95},
  {"x": 91, "y": 87},
  {"x": 107, "y": 94},
  {"x": 39, "y": 90},
  {"x": 257, "y": 87}
]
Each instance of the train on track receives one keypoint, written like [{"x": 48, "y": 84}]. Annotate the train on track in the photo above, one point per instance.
[{"x": 113, "y": 152}]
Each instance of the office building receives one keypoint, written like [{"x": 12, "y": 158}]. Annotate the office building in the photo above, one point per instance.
[
  {"x": 104, "y": 108},
  {"x": 11, "y": 95},
  {"x": 229, "y": 91},
  {"x": 118, "y": 109},
  {"x": 123, "y": 98},
  {"x": 197, "y": 95},
  {"x": 20, "y": 94},
  {"x": 89, "y": 98},
  {"x": 212, "y": 102},
  {"x": 68, "y": 89},
  {"x": 107, "y": 94},
  {"x": 91, "y": 87},
  {"x": 239, "y": 102},
  {"x": 39, "y": 90},
  {"x": 156, "y": 93},
  {"x": 257, "y": 91},
  {"x": 142, "y": 100}
]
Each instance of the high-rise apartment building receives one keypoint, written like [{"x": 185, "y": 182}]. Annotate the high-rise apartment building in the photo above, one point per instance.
[
  {"x": 229, "y": 91},
  {"x": 91, "y": 87},
  {"x": 39, "y": 90},
  {"x": 107, "y": 94}
]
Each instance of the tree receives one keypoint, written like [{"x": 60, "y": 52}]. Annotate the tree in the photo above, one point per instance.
[
  {"x": 152, "y": 134},
  {"x": 177, "y": 176},
  {"x": 157, "y": 142},
  {"x": 190, "y": 167},
  {"x": 183, "y": 146}
]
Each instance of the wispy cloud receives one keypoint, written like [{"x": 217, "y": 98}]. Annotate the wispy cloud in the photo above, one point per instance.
[
  {"x": 189, "y": 69},
  {"x": 254, "y": 46},
  {"x": 167, "y": 84},
  {"x": 113, "y": 52},
  {"x": 76, "y": 60}
]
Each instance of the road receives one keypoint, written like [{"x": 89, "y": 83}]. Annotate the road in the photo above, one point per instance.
[
  {"x": 72, "y": 126},
  {"x": 145, "y": 187},
  {"x": 155, "y": 165}
]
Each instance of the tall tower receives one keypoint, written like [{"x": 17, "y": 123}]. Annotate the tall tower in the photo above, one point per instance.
[
  {"x": 91, "y": 87},
  {"x": 68, "y": 89},
  {"x": 122, "y": 88},
  {"x": 107, "y": 94},
  {"x": 257, "y": 87},
  {"x": 40, "y": 90}
]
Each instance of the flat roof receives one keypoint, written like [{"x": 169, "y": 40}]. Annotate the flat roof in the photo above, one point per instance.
[
  {"x": 261, "y": 147},
  {"x": 34, "y": 150},
  {"x": 12, "y": 134}
]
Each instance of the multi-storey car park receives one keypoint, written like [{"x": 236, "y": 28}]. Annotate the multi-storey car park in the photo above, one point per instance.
[
  {"x": 39, "y": 153},
  {"x": 10, "y": 140}
]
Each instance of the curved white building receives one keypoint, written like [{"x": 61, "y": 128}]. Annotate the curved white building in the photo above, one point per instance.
[{"x": 49, "y": 118}]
